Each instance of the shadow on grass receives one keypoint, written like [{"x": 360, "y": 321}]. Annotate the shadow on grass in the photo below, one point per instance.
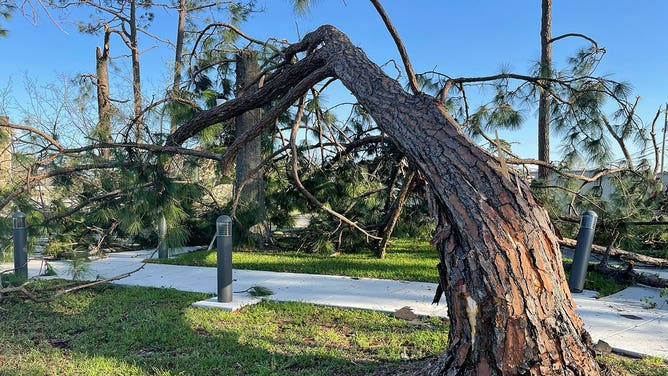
[{"x": 114, "y": 330}]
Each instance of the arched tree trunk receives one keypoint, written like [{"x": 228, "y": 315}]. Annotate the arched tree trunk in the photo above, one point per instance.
[{"x": 510, "y": 309}]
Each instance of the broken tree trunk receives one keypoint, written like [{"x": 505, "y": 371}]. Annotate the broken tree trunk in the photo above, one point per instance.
[
  {"x": 509, "y": 306},
  {"x": 103, "y": 98}
]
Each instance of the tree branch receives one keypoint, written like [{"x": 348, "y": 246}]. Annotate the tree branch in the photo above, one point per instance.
[
  {"x": 309, "y": 196},
  {"x": 412, "y": 80},
  {"x": 580, "y": 36}
]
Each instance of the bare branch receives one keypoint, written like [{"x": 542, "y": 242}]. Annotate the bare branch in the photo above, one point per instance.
[
  {"x": 580, "y": 36},
  {"x": 412, "y": 80},
  {"x": 50, "y": 139},
  {"x": 566, "y": 173}
]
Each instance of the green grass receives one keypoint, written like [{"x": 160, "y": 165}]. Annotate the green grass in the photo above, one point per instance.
[
  {"x": 407, "y": 260},
  {"x": 137, "y": 331},
  {"x": 113, "y": 330},
  {"x": 633, "y": 367}
]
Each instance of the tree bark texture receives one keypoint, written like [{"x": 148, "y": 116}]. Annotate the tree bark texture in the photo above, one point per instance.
[
  {"x": 510, "y": 309},
  {"x": 544, "y": 96},
  {"x": 103, "y": 98},
  {"x": 250, "y": 156},
  {"x": 136, "y": 78},
  {"x": 180, "y": 33}
]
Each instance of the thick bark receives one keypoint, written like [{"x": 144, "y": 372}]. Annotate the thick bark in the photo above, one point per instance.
[
  {"x": 252, "y": 195},
  {"x": 544, "y": 98},
  {"x": 510, "y": 309}
]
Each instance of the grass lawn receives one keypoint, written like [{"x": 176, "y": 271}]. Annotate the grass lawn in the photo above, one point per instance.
[
  {"x": 407, "y": 260},
  {"x": 113, "y": 330}
]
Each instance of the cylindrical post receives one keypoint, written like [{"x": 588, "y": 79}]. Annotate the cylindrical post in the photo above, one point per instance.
[
  {"x": 20, "y": 246},
  {"x": 163, "y": 251},
  {"x": 582, "y": 251},
  {"x": 224, "y": 253}
]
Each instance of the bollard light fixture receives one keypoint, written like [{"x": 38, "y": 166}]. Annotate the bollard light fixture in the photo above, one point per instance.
[
  {"x": 19, "y": 220},
  {"x": 20, "y": 245},
  {"x": 224, "y": 255},
  {"x": 224, "y": 226}
]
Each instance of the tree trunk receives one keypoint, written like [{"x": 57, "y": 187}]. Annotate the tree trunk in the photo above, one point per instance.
[
  {"x": 103, "y": 99},
  {"x": 180, "y": 33},
  {"x": 544, "y": 98},
  {"x": 392, "y": 216},
  {"x": 136, "y": 78},
  {"x": 508, "y": 302},
  {"x": 252, "y": 196},
  {"x": 663, "y": 143}
]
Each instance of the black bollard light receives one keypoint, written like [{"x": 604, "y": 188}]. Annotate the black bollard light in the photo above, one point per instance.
[
  {"x": 224, "y": 254},
  {"x": 582, "y": 251},
  {"x": 20, "y": 246}
]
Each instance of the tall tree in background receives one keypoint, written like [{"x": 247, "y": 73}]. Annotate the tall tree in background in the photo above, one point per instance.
[
  {"x": 102, "y": 87},
  {"x": 250, "y": 188},
  {"x": 182, "y": 12},
  {"x": 125, "y": 19},
  {"x": 544, "y": 96}
]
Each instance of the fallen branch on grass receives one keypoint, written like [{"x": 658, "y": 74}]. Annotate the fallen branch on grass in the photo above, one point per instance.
[{"x": 10, "y": 291}]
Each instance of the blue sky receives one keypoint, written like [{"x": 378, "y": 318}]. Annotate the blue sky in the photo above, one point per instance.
[{"x": 456, "y": 37}]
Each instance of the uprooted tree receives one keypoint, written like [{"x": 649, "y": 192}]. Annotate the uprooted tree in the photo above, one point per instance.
[{"x": 500, "y": 269}]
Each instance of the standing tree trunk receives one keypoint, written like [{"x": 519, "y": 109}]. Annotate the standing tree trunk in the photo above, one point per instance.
[
  {"x": 392, "y": 216},
  {"x": 544, "y": 98},
  {"x": 252, "y": 196},
  {"x": 136, "y": 78},
  {"x": 180, "y": 34},
  {"x": 103, "y": 98},
  {"x": 510, "y": 309}
]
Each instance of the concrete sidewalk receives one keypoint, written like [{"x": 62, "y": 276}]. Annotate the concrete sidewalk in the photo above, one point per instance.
[{"x": 622, "y": 320}]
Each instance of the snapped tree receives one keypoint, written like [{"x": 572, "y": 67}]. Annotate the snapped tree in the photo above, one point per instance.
[{"x": 500, "y": 270}]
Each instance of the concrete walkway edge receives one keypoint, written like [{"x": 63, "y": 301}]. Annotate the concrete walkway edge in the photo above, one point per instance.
[{"x": 623, "y": 320}]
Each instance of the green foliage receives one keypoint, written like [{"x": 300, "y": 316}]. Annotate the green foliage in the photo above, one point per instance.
[
  {"x": 302, "y": 7},
  {"x": 620, "y": 200},
  {"x": 6, "y": 9},
  {"x": 10, "y": 279}
]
